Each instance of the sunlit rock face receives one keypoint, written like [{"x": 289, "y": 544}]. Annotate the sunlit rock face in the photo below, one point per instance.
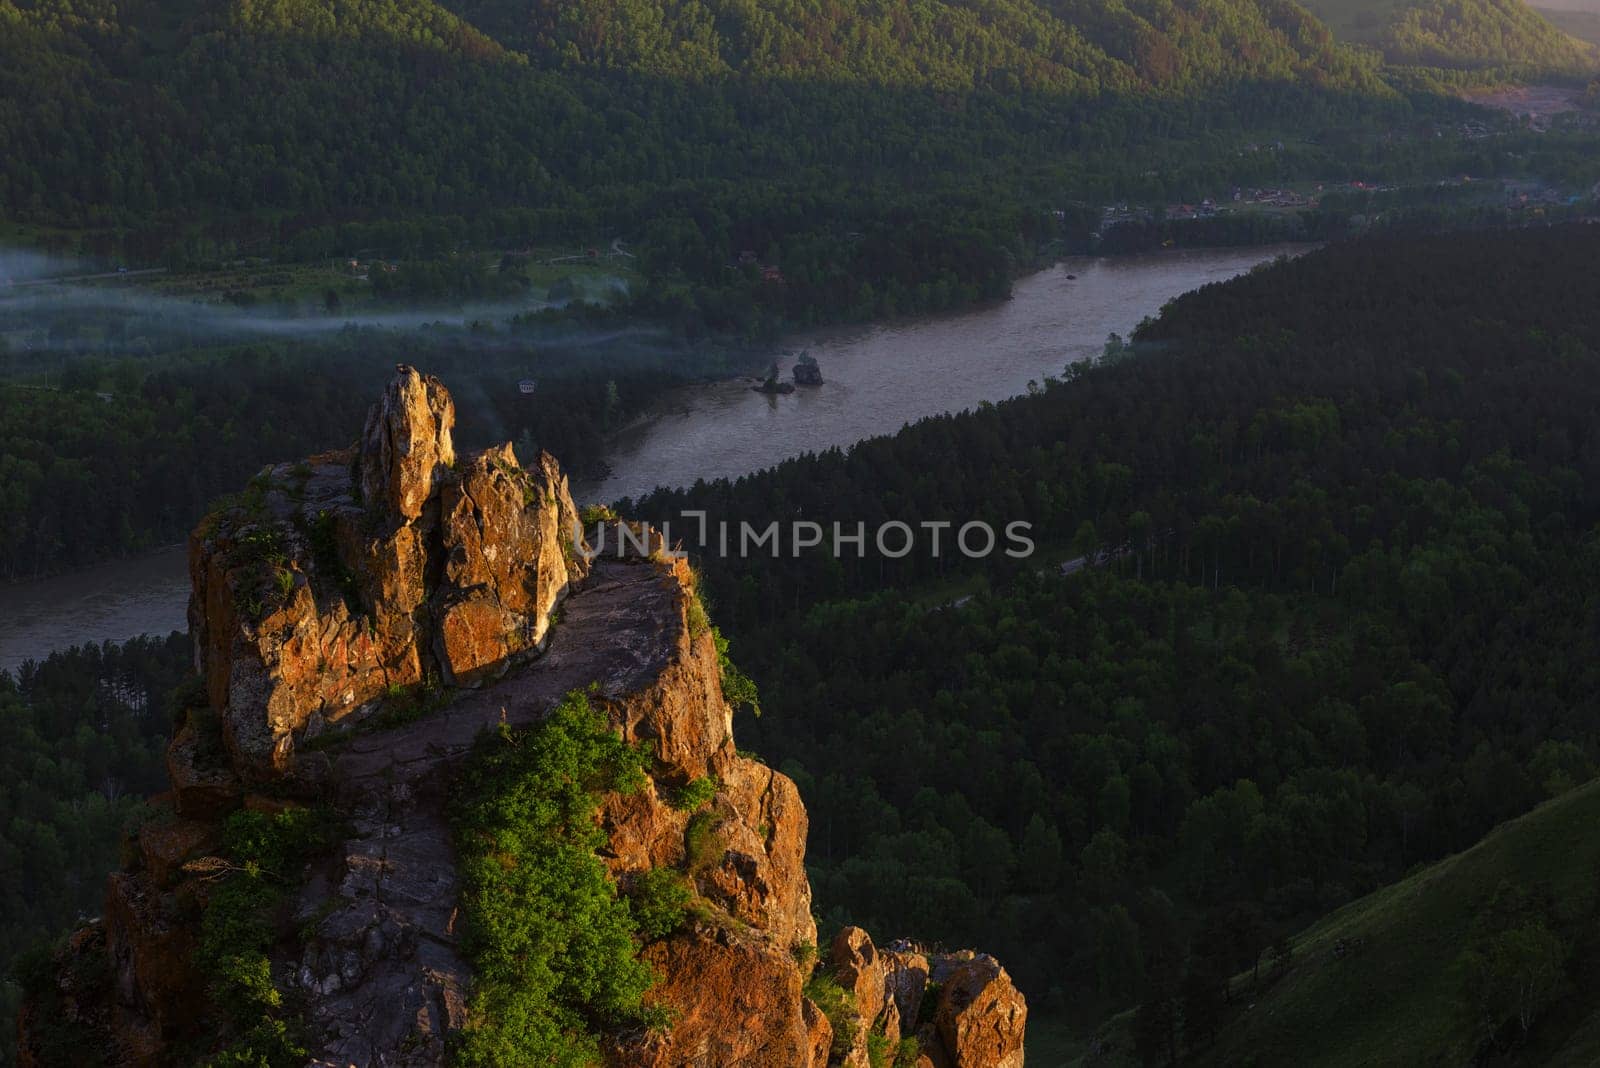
[
  {"x": 359, "y": 573},
  {"x": 961, "y": 1007}
]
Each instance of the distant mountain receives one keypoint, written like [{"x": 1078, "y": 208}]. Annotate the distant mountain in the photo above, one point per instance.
[
  {"x": 952, "y": 44},
  {"x": 115, "y": 112},
  {"x": 1457, "y": 34},
  {"x": 1061, "y": 45},
  {"x": 120, "y": 34}
]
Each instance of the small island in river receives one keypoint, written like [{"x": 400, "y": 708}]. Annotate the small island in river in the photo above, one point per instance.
[{"x": 806, "y": 372}]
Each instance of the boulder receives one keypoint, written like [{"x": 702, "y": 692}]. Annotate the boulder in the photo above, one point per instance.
[
  {"x": 736, "y": 1000},
  {"x": 507, "y": 537},
  {"x": 981, "y": 1016},
  {"x": 978, "y": 1020},
  {"x": 806, "y": 371},
  {"x": 886, "y": 985}
]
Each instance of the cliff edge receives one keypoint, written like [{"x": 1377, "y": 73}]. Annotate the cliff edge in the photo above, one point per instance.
[{"x": 360, "y": 621}]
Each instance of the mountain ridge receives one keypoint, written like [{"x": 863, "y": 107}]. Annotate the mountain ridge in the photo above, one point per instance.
[{"x": 1067, "y": 45}]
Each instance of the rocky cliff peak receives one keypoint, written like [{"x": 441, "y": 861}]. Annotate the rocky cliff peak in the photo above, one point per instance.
[
  {"x": 394, "y": 564},
  {"x": 361, "y": 621}
]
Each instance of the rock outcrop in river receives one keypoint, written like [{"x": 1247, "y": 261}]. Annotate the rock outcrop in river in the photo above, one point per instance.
[
  {"x": 397, "y": 576},
  {"x": 806, "y": 371}
]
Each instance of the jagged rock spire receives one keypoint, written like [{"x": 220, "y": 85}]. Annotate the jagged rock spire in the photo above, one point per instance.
[
  {"x": 309, "y": 606},
  {"x": 406, "y": 443}
]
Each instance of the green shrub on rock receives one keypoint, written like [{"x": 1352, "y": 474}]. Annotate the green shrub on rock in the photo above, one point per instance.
[{"x": 551, "y": 941}]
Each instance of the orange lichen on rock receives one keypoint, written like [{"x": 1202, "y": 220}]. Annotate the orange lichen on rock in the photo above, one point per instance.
[{"x": 364, "y": 573}]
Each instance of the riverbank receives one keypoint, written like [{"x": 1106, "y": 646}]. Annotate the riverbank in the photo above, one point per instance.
[
  {"x": 882, "y": 375},
  {"x": 107, "y": 602}
]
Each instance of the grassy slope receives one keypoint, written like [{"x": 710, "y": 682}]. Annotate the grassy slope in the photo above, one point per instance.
[{"x": 1393, "y": 1000}]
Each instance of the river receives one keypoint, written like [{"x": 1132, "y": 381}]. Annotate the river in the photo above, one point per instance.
[{"x": 878, "y": 378}]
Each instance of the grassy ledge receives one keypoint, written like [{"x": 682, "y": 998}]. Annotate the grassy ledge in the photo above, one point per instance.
[{"x": 553, "y": 945}]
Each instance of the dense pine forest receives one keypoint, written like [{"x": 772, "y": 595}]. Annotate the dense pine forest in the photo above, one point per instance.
[
  {"x": 430, "y": 116},
  {"x": 1346, "y": 509},
  {"x": 85, "y": 737},
  {"x": 1482, "y": 33}
]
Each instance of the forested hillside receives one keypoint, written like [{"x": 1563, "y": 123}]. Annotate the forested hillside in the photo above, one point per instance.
[
  {"x": 238, "y": 108},
  {"x": 204, "y": 122},
  {"x": 1069, "y": 45},
  {"x": 205, "y": 131},
  {"x": 818, "y": 137},
  {"x": 890, "y": 165},
  {"x": 1483, "y": 33},
  {"x": 235, "y": 108},
  {"x": 1348, "y": 507}
]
